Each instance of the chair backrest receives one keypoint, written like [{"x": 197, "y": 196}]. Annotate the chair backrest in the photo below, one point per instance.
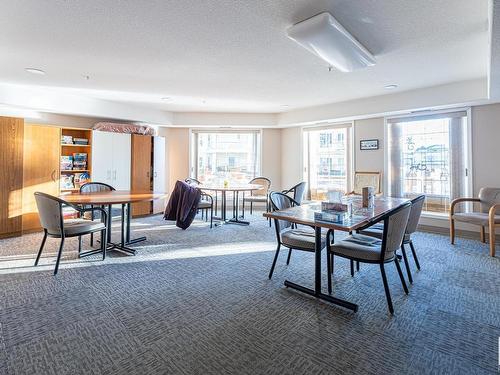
[
  {"x": 262, "y": 181},
  {"x": 192, "y": 181},
  {"x": 50, "y": 212},
  {"x": 488, "y": 197},
  {"x": 395, "y": 224},
  {"x": 280, "y": 201},
  {"x": 298, "y": 191},
  {"x": 364, "y": 179},
  {"x": 416, "y": 210},
  {"x": 93, "y": 187}
]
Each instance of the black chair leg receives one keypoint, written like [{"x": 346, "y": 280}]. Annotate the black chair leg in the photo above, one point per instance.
[
  {"x": 407, "y": 265},
  {"x": 79, "y": 244},
  {"x": 357, "y": 266},
  {"x": 103, "y": 244},
  {"x": 386, "y": 288},
  {"x": 41, "y": 248},
  {"x": 414, "y": 255},
  {"x": 243, "y": 206},
  {"x": 59, "y": 256},
  {"x": 251, "y": 208},
  {"x": 274, "y": 261},
  {"x": 92, "y": 234},
  {"x": 400, "y": 273},
  {"x": 352, "y": 267},
  {"x": 329, "y": 264},
  {"x": 211, "y": 216}
]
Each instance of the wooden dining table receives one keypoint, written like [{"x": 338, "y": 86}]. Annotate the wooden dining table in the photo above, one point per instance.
[
  {"x": 361, "y": 217},
  {"x": 236, "y": 189},
  {"x": 109, "y": 198}
]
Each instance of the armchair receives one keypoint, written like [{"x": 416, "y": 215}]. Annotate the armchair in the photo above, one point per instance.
[{"x": 488, "y": 215}]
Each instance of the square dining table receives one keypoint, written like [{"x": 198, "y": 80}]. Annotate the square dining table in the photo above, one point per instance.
[{"x": 361, "y": 217}]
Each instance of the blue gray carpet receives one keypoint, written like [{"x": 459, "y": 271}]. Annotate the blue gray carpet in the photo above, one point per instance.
[{"x": 199, "y": 302}]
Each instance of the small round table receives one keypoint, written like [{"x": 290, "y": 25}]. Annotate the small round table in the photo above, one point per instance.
[
  {"x": 235, "y": 189},
  {"x": 108, "y": 198}
]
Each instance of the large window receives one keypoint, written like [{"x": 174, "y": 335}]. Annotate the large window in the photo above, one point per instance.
[
  {"x": 327, "y": 155},
  {"x": 221, "y": 155},
  {"x": 428, "y": 155}
]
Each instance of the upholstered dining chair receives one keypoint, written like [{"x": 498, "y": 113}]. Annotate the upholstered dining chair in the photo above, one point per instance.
[
  {"x": 377, "y": 231},
  {"x": 50, "y": 210},
  {"x": 95, "y": 187},
  {"x": 258, "y": 196},
  {"x": 297, "y": 191},
  {"x": 489, "y": 205},
  {"x": 206, "y": 202},
  {"x": 288, "y": 236},
  {"x": 366, "y": 249},
  {"x": 363, "y": 179}
]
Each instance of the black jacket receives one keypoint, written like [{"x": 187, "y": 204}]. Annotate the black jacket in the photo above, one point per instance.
[{"x": 183, "y": 204}]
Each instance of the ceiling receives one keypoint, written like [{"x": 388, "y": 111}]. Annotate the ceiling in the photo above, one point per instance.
[{"x": 234, "y": 56}]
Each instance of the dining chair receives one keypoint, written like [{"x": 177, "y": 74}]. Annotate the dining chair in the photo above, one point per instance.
[
  {"x": 287, "y": 235},
  {"x": 258, "y": 196},
  {"x": 377, "y": 231},
  {"x": 297, "y": 191},
  {"x": 95, "y": 187},
  {"x": 366, "y": 249},
  {"x": 206, "y": 202},
  {"x": 50, "y": 210},
  {"x": 488, "y": 215}
]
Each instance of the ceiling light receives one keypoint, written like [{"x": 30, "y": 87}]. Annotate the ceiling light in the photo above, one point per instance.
[
  {"x": 166, "y": 99},
  {"x": 391, "y": 87},
  {"x": 325, "y": 37},
  {"x": 35, "y": 71}
]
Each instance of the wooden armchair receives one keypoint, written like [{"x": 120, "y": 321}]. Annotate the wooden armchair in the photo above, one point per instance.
[
  {"x": 489, "y": 202},
  {"x": 363, "y": 179}
]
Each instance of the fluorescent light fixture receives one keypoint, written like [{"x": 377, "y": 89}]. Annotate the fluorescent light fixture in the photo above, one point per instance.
[
  {"x": 35, "y": 71},
  {"x": 391, "y": 87},
  {"x": 324, "y": 36}
]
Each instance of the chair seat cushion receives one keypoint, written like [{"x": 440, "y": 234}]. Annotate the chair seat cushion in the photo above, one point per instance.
[
  {"x": 359, "y": 247},
  {"x": 377, "y": 231},
  {"x": 204, "y": 204},
  {"x": 256, "y": 198},
  {"x": 300, "y": 238},
  {"x": 73, "y": 227},
  {"x": 478, "y": 218}
]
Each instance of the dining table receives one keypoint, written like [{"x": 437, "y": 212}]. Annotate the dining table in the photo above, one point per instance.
[
  {"x": 125, "y": 198},
  {"x": 236, "y": 189},
  {"x": 360, "y": 217}
]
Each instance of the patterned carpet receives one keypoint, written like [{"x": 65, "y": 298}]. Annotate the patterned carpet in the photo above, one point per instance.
[{"x": 199, "y": 302}]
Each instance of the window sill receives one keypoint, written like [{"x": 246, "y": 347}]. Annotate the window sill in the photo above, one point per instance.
[{"x": 435, "y": 215}]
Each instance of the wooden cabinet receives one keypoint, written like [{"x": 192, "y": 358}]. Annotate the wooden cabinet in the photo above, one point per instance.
[
  {"x": 11, "y": 175},
  {"x": 41, "y": 157},
  {"x": 111, "y": 159},
  {"x": 141, "y": 171},
  {"x": 159, "y": 172}
]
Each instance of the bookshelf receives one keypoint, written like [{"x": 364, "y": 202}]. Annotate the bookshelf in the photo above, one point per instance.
[{"x": 69, "y": 178}]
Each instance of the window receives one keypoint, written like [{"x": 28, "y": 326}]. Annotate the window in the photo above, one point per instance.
[
  {"x": 221, "y": 155},
  {"x": 428, "y": 155},
  {"x": 327, "y": 156}
]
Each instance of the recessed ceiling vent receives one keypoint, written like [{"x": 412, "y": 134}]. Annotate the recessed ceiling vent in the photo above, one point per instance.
[{"x": 324, "y": 36}]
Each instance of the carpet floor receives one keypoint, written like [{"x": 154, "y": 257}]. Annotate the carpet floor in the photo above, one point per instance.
[{"x": 199, "y": 302}]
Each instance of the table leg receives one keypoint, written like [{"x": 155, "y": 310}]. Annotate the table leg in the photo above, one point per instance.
[
  {"x": 317, "y": 279},
  {"x": 134, "y": 240}
]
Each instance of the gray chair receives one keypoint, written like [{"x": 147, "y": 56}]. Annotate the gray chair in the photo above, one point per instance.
[
  {"x": 297, "y": 191},
  {"x": 366, "y": 249},
  {"x": 377, "y": 231},
  {"x": 489, "y": 204},
  {"x": 288, "y": 236},
  {"x": 206, "y": 202},
  {"x": 258, "y": 196},
  {"x": 50, "y": 210},
  {"x": 95, "y": 187}
]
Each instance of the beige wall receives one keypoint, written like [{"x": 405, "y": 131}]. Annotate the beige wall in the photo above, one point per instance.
[
  {"x": 271, "y": 157},
  {"x": 369, "y": 160},
  {"x": 291, "y": 157},
  {"x": 177, "y": 143}
]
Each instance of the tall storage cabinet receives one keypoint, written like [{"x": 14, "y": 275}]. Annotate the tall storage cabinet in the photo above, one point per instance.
[
  {"x": 141, "y": 171},
  {"x": 159, "y": 172},
  {"x": 41, "y": 165},
  {"x": 111, "y": 159},
  {"x": 11, "y": 175}
]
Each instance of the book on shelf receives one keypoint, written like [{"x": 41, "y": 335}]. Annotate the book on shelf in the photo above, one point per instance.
[
  {"x": 80, "y": 179},
  {"x": 67, "y": 140},
  {"x": 79, "y": 160},
  {"x": 67, "y": 182},
  {"x": 66, "y": 163},
  {"x": 81, "y": 141}
]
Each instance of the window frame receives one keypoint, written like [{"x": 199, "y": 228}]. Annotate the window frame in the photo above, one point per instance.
[
  {"x": 193, "y": 146},
  {"x": 469, "y": 174}
]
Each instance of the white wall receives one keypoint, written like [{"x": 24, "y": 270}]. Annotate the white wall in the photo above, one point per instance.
[
  {"x": 291, "y": 157},
  {"x": 369, "y": 160},
  {"x": 271, "y": 157}
]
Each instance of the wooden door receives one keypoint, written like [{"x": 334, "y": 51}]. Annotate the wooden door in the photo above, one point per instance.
[
  {"x": 102, "y": 157},
  {"x": 11, "y": 175},
  {"x": 121, "y": 161},
  {"x": 159, "y": 172},
  {"x": 41, "y": 166},
  {"x": 141, "y": 171}
]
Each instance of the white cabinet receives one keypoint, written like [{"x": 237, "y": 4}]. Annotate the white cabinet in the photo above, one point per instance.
[
  {"x": 111, "y": 158},
  {"x": 159, "y": 172}
]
